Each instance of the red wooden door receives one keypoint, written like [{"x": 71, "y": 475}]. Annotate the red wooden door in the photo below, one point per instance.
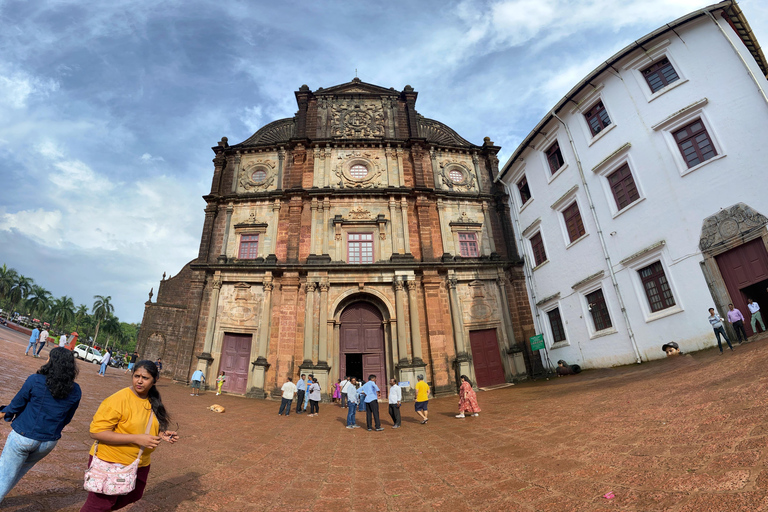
[
  {"x": 742, "y": 267},
  {"x": 361, "y": 332},
  {"x": 486, "y": 358},
  {"x": 235, "y": 355}
]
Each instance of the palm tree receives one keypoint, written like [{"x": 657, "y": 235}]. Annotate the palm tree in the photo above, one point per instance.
[
  {"x": 8, "y": 276},
  {"x": 63, "y": 310},
  {"x": 81, "y": 313},
  {"x": 112, "y": 328},
  {"x": 39, "y": 300},
  {"x": 19, "y": 290},
  {"x": 102, "y": 308}
]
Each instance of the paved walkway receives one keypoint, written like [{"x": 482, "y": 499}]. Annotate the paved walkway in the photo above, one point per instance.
[{"x": 675, "y": 435}]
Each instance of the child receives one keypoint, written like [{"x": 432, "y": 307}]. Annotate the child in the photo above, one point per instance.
[
  {"x": 337, "y": 390},
  {"x": 220, "y": 382}
]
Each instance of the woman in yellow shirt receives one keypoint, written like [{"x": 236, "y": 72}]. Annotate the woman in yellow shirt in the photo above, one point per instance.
[{"x": 119, "y": 425}]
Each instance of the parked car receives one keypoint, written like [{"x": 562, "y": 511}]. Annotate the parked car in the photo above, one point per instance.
[{"x": 88, "y": 354}]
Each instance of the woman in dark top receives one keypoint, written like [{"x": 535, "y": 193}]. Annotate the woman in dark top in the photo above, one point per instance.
[{"x": 45, "y": 404}]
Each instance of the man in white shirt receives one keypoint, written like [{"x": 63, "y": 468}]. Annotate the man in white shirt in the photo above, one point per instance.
[
  {"x": 754, "y": 310},
  {"x": 341, "y": 387},
  {"x": 352, "y": 399},
  {"x": 63, "y": 340},
  {"x": 44, "y": 338},
  {"x": 288, "y": 389},
  {"x": 395, "y": 398}
]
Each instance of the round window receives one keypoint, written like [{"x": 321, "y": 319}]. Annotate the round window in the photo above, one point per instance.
[
  {"x": 358, "y": 171},
  {"x": 259, "y": 175},
  {"x": 456, "y": 175}
]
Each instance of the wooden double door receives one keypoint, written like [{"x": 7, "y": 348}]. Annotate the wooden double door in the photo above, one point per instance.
[
  {"x": 486, "y": 358},
  {"x": 745, "y": 272},
  {"x": 235, "y": 357},
  {"x": 361, "y": 343}
]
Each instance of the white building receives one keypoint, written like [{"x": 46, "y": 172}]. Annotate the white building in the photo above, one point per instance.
[{"x": 637, "y": 199}]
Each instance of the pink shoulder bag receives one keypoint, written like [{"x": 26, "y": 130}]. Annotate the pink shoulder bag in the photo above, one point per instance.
[{"x": 111, "y": 478}]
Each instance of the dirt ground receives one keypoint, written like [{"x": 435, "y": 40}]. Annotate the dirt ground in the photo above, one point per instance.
[{"x": 676, "y": 435}]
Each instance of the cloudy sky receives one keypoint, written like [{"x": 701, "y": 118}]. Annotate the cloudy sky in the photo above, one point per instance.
[{"x": 108, "y": 110}]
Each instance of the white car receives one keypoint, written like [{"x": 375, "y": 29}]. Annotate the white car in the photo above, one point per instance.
[{"x": 88, "y": 354}]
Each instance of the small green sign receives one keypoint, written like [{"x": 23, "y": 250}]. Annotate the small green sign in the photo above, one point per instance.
[{"x": 537, "y": 342}]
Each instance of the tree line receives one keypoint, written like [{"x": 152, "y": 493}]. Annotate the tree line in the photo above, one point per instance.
[{"x": 20, "y": 294}]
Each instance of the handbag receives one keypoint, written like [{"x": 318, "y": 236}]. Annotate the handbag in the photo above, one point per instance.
[{"x": 111, "y": 478}]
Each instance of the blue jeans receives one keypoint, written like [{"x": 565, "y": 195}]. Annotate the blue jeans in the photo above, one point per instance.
[
  {"x": 30, "y": 346},
  {"x": 351, "y": 414},
  {"x": 718, "y": 331},
  {"x": 19, "y": 455},
  {"x": 285, "y": 406},
  {"x": 103, "y": 369}
]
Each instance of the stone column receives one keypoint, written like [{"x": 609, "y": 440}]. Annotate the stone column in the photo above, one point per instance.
[
  {"x": 259, "y": 367},
  {"x": 435, "y": 168},
  {"x": 458, "y": 327},
  {"x": 400, "y": 312},
  {"x": 223, "y": 256},
  {"x": 327, "y": 174},
  {"x": 501, "y": 281},
  {"x": 280, "y": 161},
  {"x": 322, "y": 353},
  {"x": 487, "y": 228},
  {"x": 210, "y": 329},
  {"x": 441, "y": 221},
  {"x": 392, "y": 228},
  {"x": 273, "y": 225},
  {"x": 406, "y": 235},
  {"x": 387, "y": 157},
  {"x": 313, "y": 227},
  {"x": 476, "y": 165},
  {"x": 325, "y": 230},
  {"x": 400, "y": 171},
  {"x": 308, "y": 322},
  {"x": 236, "y": 172},
  {"x": 413, "y": 310}
]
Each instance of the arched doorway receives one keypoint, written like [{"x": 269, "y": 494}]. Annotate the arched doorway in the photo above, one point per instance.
[{"x": 361, "y": 342}]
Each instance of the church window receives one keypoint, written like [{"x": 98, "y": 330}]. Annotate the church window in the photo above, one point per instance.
[
  {"x": 573, "y": 223},
  {"x": 660, "y": 74},
  {"x": 623, "y": 187},
  {"x": 597, "y": 118},
  {"x": 525, "y": 192},
  {"x": 360, "y": 248},
  {"x": 556, "y": 324},
  {"x": 259, "y": 176},
  {"x": 555, "y": 157},
  {"x": 249, "y": 247},
  {"x": 694, "y": 143},
  {"x": 599, "y": 310},
  {"x": 358, "y": 171},
  {"x": 537, "y": 248},
  {"x": 468, "y": 245},
  {"x": 456, "y": 175},
  {"x": 656, "y": 287}
]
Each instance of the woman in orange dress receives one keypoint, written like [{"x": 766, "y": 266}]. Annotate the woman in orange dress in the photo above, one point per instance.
[{"x": 467, "y": 399}]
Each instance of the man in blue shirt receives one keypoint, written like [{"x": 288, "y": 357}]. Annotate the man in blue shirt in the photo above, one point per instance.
[
  {"x": 197, "y": 377},
  {"x": 32, "y": 340},
  {"x": 372, "y": 393},
  {"x": 301, "y": 387}
]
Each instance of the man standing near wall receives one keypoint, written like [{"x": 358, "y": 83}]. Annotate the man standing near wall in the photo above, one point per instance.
[
  {"x": 737, "y": 321},
  {"x": 422, "y": 399},
  {"x": 288, "y": 389},
  {"x": 372, "y": 394},
  {"x": 717, "y": 325},
  {"x": 754, "y": 310},
  {"x": 342, "y": 384},
  {"x": 350, "y": 391},
  {"x": 301, "y": 387},
  {"x": 395, "y": 398}
]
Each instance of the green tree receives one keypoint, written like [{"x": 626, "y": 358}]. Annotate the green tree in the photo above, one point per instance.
[
  {"x": 112, "y": 328},
  {"x": 8, "y": 276},
  {"x": 81, "y": 314},
  {"x": 39, "y": 300},
  {"x": 63, "y": 311},
  {"x": 20, "y": 289},
  {"x": 102, "y": 308}
]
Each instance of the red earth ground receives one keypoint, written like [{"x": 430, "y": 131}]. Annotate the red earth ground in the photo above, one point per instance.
[{"x": 681, "y": 435}]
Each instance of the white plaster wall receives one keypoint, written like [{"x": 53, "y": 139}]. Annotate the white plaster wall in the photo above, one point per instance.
[{"x": 674, "y": 205}]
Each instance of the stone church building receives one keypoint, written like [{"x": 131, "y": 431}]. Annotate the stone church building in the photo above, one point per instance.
[{"x": 355, "y": 237}]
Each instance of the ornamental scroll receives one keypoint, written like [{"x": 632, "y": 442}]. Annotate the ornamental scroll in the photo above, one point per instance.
[{"x": 357, "y": 119}]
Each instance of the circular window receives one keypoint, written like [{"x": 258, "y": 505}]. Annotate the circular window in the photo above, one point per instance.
[
  {"x": 358, "y": 171},
  {"x": 456, "y": 175},
  {"x": 259, "y": 175}
]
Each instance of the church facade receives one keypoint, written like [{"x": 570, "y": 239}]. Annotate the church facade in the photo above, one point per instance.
[{"x": 354, "y": 238}]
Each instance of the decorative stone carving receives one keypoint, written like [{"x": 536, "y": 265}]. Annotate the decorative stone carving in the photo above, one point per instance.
[
  {"x": 450, "y": 171},
  {"x": 258, "y": 175},
  {"x": 243, "y": 292},
  {"x": 358, "y": 213},
  {"x": 728, "y": 223},
  {"x": 437, "y": 132},
  {"x": 356, "y": 157},
  {"x": 357, "y": 119}
]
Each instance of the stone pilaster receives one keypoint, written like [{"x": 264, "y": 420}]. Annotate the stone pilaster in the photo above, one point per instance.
[
  {"x": 204, "y": 359},
  {"x": 223, "y": 256},
  {"x": 413, "y": 310},
  {"x": 308, "y": 322},
  {"x": 402, "y": 348},
  {"x": 322, "y": 353},
  {"x": 235, "y": 172},
  {"x": 280, "y": 166}
]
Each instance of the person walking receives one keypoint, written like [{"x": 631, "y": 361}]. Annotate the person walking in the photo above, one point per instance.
[
  {"x": 132, "y": 361},
  {"x": 372, "y": 394},
  {"x": 105, "y": 362},
  {"x": 197, "y": 378},
  {"x": 62, "y": 340},
  {"x": 45, "y": 405},
  {"x": 288, "y": 389},
  {"x": 342, "y": 385},
  {"x": 337, "y": 390},
  {"x": 306, "y": 395},
  {"x": 737, "y": 321},
  {"x": 350, "y": 391},
  {"x": 422, "y": 399},
  {"x": 41, "y": 343},
  {"x": 717, "y": 326},
  {"x": 314, "y": 398},
  {"x": 301, "y": 389},
  {"x": 756, "y": 316},
  {"x": 33, "y": 337},
  {"x": 220, "y": 380},
  {"x": 395, "y": 399},
  {"x": 119, "y": 427},
  {"x": 467, "y": 398}
]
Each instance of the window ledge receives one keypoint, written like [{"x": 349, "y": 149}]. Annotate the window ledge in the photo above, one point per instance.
[
  {"x": 604, "y": 332},
  {"x": 529, "y": 201},
  {"x": 601, "y": 134},
  {"x": 702, "y": 164},
  {"x": 664, "y": 313},
  {"x": 628, "y": 207},
  {"x": 666, "y": 89},
  {"x": 560, "y": 344},
  {"x": 582, "y": 237},
  {"x": 537, "y": 267},
  {"x": 558, "y": 172}
]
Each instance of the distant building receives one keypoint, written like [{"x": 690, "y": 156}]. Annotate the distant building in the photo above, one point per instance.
[
  {"x": 356, "y": 237},
  {"x": 639, "y": 200}
]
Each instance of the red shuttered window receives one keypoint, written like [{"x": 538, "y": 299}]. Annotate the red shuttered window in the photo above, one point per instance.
[
  {"x": 597, "y": 118},
  {"x": 656, "y": 287},
  {"x": 573, "y": 223},
  {"x": 537, "y": 247},
  {"x": 525, "y": 192},
  {"x": 556, "y": 324},
  {"x": 555, "y": 157},
  {"x": 694, "y": 143},
  {"x": 660, "y": 74},
  {"x": 468, "y": 245},
  {"x": 623, "y": 187},
  {"x": 249, "y": 247},
  {"x": 599, "y": 310},
  {"x": 360, "y": 248}
]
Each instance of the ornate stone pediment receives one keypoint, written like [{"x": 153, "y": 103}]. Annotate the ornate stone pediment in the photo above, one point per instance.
[
  {"x": 735, "y": 221},
  {"x": 356, "y": 86},
  {"x": 357, "y": 119}
]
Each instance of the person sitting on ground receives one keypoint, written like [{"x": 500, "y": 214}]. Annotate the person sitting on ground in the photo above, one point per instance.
[{"x": 564, "y": 369}]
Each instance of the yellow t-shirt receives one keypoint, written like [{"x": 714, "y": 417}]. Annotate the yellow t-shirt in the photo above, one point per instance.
[
  {"x": 422, "y": 391},
  {"x": 125, "y": 413}
]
